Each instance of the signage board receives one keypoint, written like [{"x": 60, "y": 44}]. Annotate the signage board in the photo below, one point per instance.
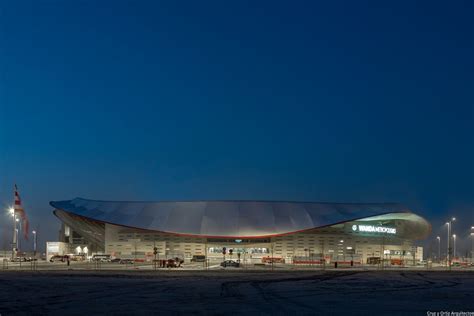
[{"x": 374, "y": 229}]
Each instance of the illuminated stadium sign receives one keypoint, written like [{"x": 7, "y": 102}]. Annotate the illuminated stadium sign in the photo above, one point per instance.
[{"x": 374, "y": 229}]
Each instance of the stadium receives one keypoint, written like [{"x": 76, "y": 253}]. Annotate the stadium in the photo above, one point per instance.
[{"x": 253, "y": 231}]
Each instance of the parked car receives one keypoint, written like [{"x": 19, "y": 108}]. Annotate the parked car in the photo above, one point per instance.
[
  {"x": 58, "y": 258},
  {"x": 116, "y": 260},
  {"x": 18, "y": 259},
  {"x": 29, "y": 259},
  {"x": 126, "y": 261},
  {"x": 198, "y": 258},
  {"x": 77, "y": 257},
  {"x": 101, "y": 258},
  {"x": 174, "y": 263},
  {"x": 230, "y": 263}
]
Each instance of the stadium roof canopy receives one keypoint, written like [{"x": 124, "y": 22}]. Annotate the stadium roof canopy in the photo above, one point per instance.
[{"x": 226, "y": 218}]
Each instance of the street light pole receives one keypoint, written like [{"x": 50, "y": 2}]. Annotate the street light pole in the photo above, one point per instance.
[
  {"x": 18, "y": 236},
  {"x": 14, "y": 236},
  {"x": 450, "y": 228},
  {"x": 472, "y": 244},
  {"x": 447, "y": 244},
  {"x": 439, "y": 248},
  {"x": 12, "y": 212},
  {"x": 34, "y": 243},
  {"x": 454, "y": 243}
]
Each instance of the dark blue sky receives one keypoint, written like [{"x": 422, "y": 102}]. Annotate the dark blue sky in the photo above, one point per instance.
[{"x": 332, "y": 101}]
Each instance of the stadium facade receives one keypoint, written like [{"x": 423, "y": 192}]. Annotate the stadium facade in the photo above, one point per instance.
[{"x": 289, "y": 231}]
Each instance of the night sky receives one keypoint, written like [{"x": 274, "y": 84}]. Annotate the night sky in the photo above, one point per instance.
[{"x": 304, "y": 100}]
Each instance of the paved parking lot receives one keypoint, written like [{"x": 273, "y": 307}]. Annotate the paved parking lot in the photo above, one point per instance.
[{"x": 235, "y": 292}]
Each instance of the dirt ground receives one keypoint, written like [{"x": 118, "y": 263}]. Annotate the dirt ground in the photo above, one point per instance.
[{"x": 229, "y": 292}]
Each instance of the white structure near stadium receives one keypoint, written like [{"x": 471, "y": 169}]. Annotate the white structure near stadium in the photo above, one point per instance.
[{"x": 291, "y": 232}]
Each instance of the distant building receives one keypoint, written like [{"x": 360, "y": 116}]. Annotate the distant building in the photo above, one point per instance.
[{"x": 288, "y": 231}]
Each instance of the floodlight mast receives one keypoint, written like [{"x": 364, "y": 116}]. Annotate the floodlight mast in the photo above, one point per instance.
[
  {"x": 15, "y": 235},
  {"x": 449, "y": 254},
  {"x": 439, "y": 248}
]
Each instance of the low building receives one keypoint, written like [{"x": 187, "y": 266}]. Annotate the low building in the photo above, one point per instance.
[
  {"x": 253, "y": 231},
  {"x": 56, "y": 248}
]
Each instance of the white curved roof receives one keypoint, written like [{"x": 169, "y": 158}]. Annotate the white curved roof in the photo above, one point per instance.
[{"x": 224, "y": 218}]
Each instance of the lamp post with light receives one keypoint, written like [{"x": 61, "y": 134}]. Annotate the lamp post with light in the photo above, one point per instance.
[
  {"x": 18, "y": 234},
  {"x": 439, "y": 248},
  {"x": 12, "y": 213},
  {"x": 34, "y": 243},
  {"x": 472, "y": 244},
  {"x": 454, "y": 245},
  {"x": 448, "y": 256},
  {"x": 16, "y": 238}
]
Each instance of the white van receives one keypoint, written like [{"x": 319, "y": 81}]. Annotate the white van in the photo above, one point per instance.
[{"x": 101, "y": 258}]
